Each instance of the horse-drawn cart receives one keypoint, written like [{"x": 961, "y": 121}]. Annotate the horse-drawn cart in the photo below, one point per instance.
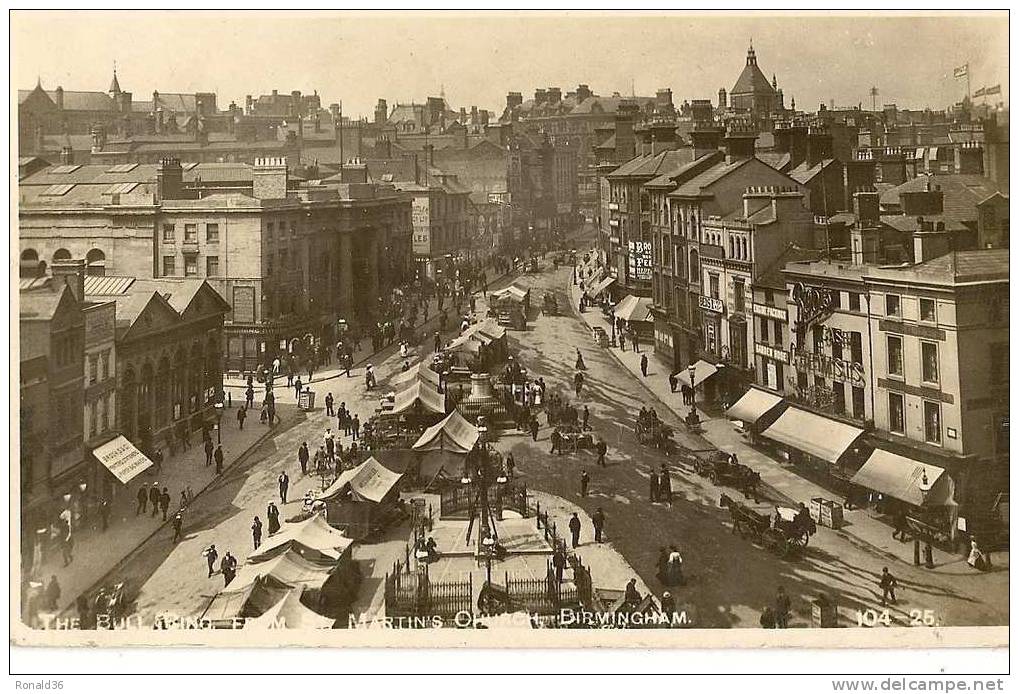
[
  {"x": 722, "y": 471},
  {"x": 785, "y": 534},
  {"x": 549, "y": 306}
]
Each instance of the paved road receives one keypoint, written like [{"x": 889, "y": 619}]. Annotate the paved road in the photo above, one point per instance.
[{"x": 730, "y": 579}]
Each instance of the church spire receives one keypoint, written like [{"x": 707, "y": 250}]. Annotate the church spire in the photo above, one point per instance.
[
  {"x": 751, "y": 56},
  {"x": 114, "y": 85}
]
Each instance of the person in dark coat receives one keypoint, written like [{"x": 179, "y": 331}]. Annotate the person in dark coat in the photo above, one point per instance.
[
  {"x": 768, "y": 618},
  {"x": 256, "y": 532},
  {"x": 228, "y": 567},
  {"x": 154, "y": 498},
  {"x": 575, "y": 530},
  {"x": 510, "y": 465},
  {"x": 211, "y": 555},
  {"x": 598, "y": 521},
  {"x": 218, "y": 455},
  {"x": 643, "y": 365},
  {"x": 559, "y": 562},
  {"x": 673, "y": 382},
  {"x": 534, "y": 428},
  {"x": 329, "y": 404},
  {"x": 584, "y": 480},
  {"x": 554, "y": 439},
  {"x": 578, "y": 383},
  {"x": 208, "y": 452},
  {"x": 143, "y": 500},
  {"x": 586, "y": 418},
  {"x": 601, "y": 448},
  {"x": 284, "y": 484},
  {"x": 888, "y": 584},
  {"x": 272, "y": 513},
  {"x": 668, "y": 604},
  {"x": 164, "y": 501},
  {"x": 653, "y": 487},
  {"x": 632, "y": 595},
  {"x": 665, "y": 485},
  {"x": 178, "y": 526},
  {"x": 662, "y": 574},
  {"x": 355, "y": 427},
  {"x": 783, "y": 606},
  {"x": 241, "y": 414},
  {"x": 302, "y": 456}
]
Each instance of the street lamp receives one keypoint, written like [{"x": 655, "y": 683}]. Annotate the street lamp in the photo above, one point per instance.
[
  {"x": 691, "y": 372},
  {"x": 928, "y": 551},
  {"x": 219, "y": 422}
]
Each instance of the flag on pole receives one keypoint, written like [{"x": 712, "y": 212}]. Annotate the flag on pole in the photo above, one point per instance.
[
  {"x": 996, "y": 89},
  {"x": 962, "y": 70}
]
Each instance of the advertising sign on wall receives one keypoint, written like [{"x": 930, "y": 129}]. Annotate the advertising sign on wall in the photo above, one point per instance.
[{"x": 640, "y": 261}]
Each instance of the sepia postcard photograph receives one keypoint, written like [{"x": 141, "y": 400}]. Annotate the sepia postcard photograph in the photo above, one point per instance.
[{"x": 504, "y": 329}]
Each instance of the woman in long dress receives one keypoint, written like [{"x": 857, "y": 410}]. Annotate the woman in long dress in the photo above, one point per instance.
[{"x": 976, "y": 557}]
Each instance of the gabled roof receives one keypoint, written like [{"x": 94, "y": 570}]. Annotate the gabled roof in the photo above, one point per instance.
[
  {"x": 75, "y": 101},
  {"x": 804, "y": 174},
  {"x": 649, "y": 166},
  {"x": 752, "y": 81},
  {"x": 962, "y": 192},
  {"x": 777, "y": 160}
]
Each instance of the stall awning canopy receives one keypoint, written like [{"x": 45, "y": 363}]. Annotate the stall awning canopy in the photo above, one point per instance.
[
  {"x": 415, "y": 393},
  {"x": 513, "y": 291},
  {"x": 121, "y": 458},
  {"x": 313, "y": 533},
  {"x": 466, "y": 342},
  {"x": 819, "y": 436},
  {"x": 249, "y": 600},
  {"x": 595, "y": 291},
  {"x": 373, "y": 481},
  {"x": 419, "y": 371},
  {"x": 289, "y": 613},
  {"x": 453, "y": 434},
  {"x": 754, "y": 404},
  {"x": 492, "y": 330},
  {"x": 902, "y": 478},
  {"x": 633, "y": 308},
  {"x": 288, "y": 568},
  {"x": 702, "y": 371}
]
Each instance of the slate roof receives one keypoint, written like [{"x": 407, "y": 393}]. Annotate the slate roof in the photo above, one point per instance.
[
  {"x": 75, "y": 101},
  {"x": 804, "y": 174},
  {"x": 752, "y": 80},
  {"x": 968, "y": 266},
  {"x": 962, "y": 192},
  {"x": 652, "y": 165}
]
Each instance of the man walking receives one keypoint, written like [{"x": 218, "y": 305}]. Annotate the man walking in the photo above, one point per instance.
[
  {"x": 673, "y": 382},
  {"x": 241, "y": 414},
  {"x": 329, "y": 404},
  {"x": 665, "y": 486},
  {"x": 284, "y": 484},
  {"x": 584, "y": 480},
  {"x": 211, "y": 555},
  {"x": 178, "y": 525},
  {"x": 888, "y": 584},
  {"x": 575, "y": 530},
  {"x": 164, "y": 502},
  {"x": 586, "y": 418},
  {"x": 601, "y": 448},
  {"x": 643, "y": 365},
  {"x": 218, "y": 455},
  {"x": 208, "y": 452},
  {"x": 228, "y": 567},
  {"x": 653, "y": 487},
  {"x": 154, "y": 498},
  {"x": 635, "y": 341},
  {"x": 598, "y": 521},
  {"x": 578, "y": 382},
  {"x": 534, "y": 428},
  {"x": 355, "y": 427},
  {"x": 302, "y": 457},
  {"x": 143, "y": 500},
  {"x": 297, "y": 387},
  {"x": 256, "y": 532}
]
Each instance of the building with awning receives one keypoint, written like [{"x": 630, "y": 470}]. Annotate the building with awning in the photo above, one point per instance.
[
  {"x": 633, "y": 309},
  {"x": 702, "y": 371},
  {"x": 594, "y": 292},
  {"x": 915, "y": 483},
  {"x": 122, "y": 459},
  {"x": 817, "y": 436},
  {"x": 756, "y": 408}
]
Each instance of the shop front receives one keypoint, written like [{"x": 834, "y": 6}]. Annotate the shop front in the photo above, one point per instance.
[
  {"x": 756, "y": 410},
  {"x": 818, "y": 445}
]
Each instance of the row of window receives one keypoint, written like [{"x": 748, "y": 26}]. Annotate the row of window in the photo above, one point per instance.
[
  {"x": 191, "y": 233},
  {"x": 929, "y": 368},
  {"x": 98, "y": 367},
  {"x": 928, "y": 308},
  {"x": 101, "y": 416},
  {"x": 190, "y": 266},
  {"x": 931, "y": 417}
]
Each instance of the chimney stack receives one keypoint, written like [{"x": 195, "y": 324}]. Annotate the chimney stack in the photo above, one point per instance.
[
  {"x": 71, "y": 273},
  {"x": 514, "y": 99},
  {"x": 58, "y": 98},
  {"x": 583, "y": 92},
  {"x": 706, "y": 138},
  {"x": 819, "y": 145},
  {"x": 169, "y": 179},
  {"x": 269, "y": 178},
  {"x": 740, "y": 141},
  {"x": 867, "y": 207}
]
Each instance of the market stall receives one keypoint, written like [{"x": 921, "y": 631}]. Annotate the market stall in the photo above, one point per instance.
[
  {"x": 363, "y": 500},
  {"x": 290, "y": 613}
]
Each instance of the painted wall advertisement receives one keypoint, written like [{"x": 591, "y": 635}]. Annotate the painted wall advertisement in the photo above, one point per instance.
[{"x": 640, "y": 261}]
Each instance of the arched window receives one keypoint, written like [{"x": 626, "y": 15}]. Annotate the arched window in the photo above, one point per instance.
[
  {"x": 95, "y": 263},
  {"x": 61, "y": 254},
  {"x": 29, "y": 256},
  {"x": 694, "y": 266}
]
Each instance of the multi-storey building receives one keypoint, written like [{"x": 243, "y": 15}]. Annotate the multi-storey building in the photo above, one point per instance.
[
  {"x": 285, "y": 256},
  {"x": 441, "y": 219}
]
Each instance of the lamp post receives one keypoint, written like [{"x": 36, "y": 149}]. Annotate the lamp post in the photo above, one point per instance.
[
  {"x": 928, "y": 551},
  {"x": 692, "y": 372},
  {"x": 219, "y": 422}
]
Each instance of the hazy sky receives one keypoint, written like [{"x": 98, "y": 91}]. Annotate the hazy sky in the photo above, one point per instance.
[{"x": 358, "y": 58}]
